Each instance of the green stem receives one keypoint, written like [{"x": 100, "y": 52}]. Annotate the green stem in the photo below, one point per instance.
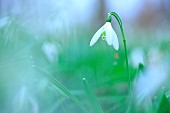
[
  {"x": 127, "y": 66},
  {"x": 126, "y": 56},
  {"x": 124, "y": 42}
]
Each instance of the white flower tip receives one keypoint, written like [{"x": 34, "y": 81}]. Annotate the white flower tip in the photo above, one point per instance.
[
  {"x": 91, "y": 44},
  {"x": 116, "y": 44},
  {"x": 116, "y": 48},
  {"x": 94, "y": 40}
]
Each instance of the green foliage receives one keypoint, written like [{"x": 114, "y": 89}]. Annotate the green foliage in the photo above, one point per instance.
[
  {"x": 161, "y": 103},
  {"x": 105, "y": 91}
]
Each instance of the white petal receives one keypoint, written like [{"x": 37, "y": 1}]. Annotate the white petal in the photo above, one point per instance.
[
  {"x": 111, "y": 37},
  {"x": 115, "y": 40},
  {"x": 97, "y": 35},
  {"x": 108, "y": 38},
  {"x": 109, "y": 30}
]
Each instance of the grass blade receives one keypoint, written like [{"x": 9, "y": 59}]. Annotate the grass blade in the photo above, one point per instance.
[
  {"x": 161, "y": 103},
  {"x": 92, "y": 99},
  {"x": 61, "y": 87}
]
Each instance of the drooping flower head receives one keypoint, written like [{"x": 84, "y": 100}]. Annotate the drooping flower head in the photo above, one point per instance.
[{"x": 108, "y": 34}]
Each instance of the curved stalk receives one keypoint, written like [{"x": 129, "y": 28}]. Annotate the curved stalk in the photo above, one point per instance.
[{"x": 109, "y": 19}]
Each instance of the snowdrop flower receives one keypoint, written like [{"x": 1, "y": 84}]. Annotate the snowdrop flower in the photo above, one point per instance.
[
  {"x": 50, "y": 50},
  {"x": 137, "y": 57},
  {"x": 108, "y": 34}
]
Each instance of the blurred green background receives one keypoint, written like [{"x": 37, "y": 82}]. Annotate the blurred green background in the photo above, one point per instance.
[{"x": 55, "y": 35}]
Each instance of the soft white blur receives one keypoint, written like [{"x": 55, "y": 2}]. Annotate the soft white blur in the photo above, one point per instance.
[
  {"x": 50, "y": 50},
  {"x": 137, "y": 57},
  {"x": 24, "y": 102},
  {"x": 153, "y": 78},
  {"x": 43, "y": 17}
]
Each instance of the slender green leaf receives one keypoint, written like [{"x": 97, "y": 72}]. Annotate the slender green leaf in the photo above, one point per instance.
[
  {"x": 61, "y": 87},
  {"x": 92, "y": 99},
  {"x": 161, "y": 103}
]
